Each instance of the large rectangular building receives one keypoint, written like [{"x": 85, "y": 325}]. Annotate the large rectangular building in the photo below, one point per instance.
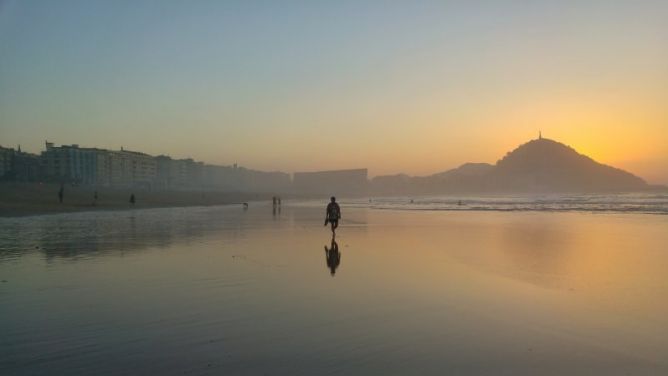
[
  {"x": 92, "y": 166},
  {"x": 332, "y": 183},
  {"x": 179, "y": 173},
  {"x": 72, "y": 164},
  {"x": 132, "y": 168}
]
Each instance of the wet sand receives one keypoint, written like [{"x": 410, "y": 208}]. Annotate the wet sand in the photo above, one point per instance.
[
  {"x": 220, "y": 290},
  {"x": 21, "y": 199}
]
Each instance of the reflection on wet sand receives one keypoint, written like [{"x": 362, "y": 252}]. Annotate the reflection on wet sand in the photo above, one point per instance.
[
  {"x": 333, "y": 257},
  {"x": 173, "y": 291},
  {"x": 97, "y": 233}
]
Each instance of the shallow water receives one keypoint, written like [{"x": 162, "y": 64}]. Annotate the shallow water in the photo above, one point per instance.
[
  {"x": 220, "y": 290},
  {"x": 642, "y": 203}
]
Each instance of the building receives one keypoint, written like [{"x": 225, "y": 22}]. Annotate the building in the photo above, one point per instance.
[
  {"x": 16, "y": 165},
  {"x": 6, "y": 157},
  {"x": 337, "y": 182},
  {"x": 26, "y": 167},
  {"x": 72, "y": 164},
  {"x": 178, "y": 173},
  {"x": 223, "y": 178},
  {"x": 238, "y": 179},
  {"x": 92, "y": 166},
  {"x": 132, "y": 169},
  {"x": 264, "y": 182}
]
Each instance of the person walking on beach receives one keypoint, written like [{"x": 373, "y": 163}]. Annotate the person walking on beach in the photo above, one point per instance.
[
  {"x": 132, "y": 199},
  {"x": 61, "y": 191},
  {"x": 333, "y": 214}
]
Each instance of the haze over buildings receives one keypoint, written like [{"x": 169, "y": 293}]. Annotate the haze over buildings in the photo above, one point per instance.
[
  {"x": 72, "y": 164},
  {"x": 538, "y": 166},
  {"x": 339, "y": 182},
  {"x": 408, "y": 86}
]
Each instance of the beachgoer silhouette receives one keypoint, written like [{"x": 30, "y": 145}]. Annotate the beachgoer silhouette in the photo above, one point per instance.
[
  {"x": 95, "y": 198},
  {"x": 333, "y": 214},
  {"x": 61, "y": 192},
  {"x": 132, "y": 199},
  {"x": 333, "y": 257}
]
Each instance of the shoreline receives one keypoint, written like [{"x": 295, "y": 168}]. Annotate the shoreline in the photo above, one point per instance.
[
  {"x": 25, "y": 199},
  {"x": 22, "y": 213}
]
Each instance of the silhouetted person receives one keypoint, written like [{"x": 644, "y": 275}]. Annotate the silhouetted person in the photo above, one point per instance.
[
  {"x": 333, "y": 214},
  {"x": 333, "y": 257},
  {"x": 132, "y": 199},
  {"x": 61, "y": 192},
  {"x": 94, "y": 198}
]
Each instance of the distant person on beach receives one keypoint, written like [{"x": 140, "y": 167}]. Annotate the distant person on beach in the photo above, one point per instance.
[
  {"x": 61, "y": 192},
  {"x": 333, "y": 257},
  {"x": 333, "y": 214},
  {"x": 95, "y": 198},
  {"x": 132, "y": 199}
]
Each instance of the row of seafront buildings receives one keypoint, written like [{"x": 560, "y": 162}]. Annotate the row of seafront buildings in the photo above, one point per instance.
[{"x": 71, "y": 164}]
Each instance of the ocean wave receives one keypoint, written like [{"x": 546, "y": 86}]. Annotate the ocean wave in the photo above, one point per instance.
[{"x": 621, "y": 203}]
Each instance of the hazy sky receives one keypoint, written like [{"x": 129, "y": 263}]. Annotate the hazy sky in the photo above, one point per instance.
[{"x": 395, "y": 86}]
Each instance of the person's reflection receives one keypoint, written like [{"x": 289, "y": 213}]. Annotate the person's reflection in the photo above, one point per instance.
[{"x": 333, "y": 257}]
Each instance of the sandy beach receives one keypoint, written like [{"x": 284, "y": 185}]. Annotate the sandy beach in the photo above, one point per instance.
[
  {"x": 21, "y": 199},
  {"x": 220, "y": 290}
]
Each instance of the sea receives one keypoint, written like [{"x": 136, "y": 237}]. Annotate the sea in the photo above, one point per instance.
[{"x": 645, "y": 203}]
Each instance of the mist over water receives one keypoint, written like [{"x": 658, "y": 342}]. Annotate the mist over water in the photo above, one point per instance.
[{"x": 220, "y": 290}]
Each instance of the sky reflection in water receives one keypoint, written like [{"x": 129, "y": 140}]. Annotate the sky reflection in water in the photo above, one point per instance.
[{"x": 223, "y": 290}]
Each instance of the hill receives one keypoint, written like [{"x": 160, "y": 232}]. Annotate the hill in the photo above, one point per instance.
[
  {"x": 538, "y": 166},
  {"x": 545, "y": 165}
]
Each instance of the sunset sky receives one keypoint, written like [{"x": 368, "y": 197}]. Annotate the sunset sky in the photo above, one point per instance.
[{"x": 415, "y": 87}]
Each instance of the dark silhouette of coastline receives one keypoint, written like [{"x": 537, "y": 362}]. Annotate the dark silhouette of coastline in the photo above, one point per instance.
[{"x": 538, "y": 166}]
